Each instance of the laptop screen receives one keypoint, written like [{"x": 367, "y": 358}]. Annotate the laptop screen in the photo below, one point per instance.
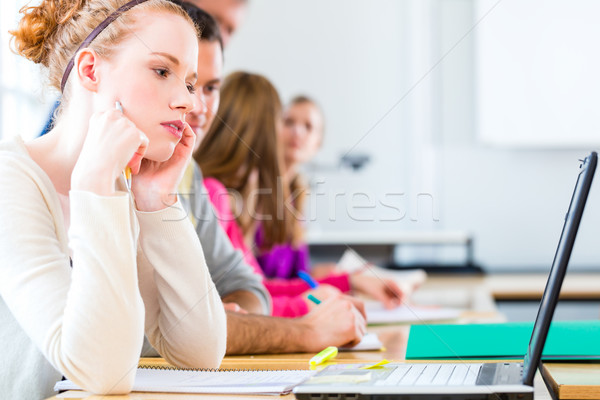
[{"x": 559, "y": 268}]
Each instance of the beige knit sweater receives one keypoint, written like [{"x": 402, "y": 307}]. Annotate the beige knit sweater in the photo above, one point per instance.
[{"x": 132, "y": 272}]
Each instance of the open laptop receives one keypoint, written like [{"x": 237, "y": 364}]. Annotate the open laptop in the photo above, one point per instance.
[{"x": 462, "y": 380}]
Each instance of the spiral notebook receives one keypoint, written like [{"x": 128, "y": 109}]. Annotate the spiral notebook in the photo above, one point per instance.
[{"x": 169, "y": 380}]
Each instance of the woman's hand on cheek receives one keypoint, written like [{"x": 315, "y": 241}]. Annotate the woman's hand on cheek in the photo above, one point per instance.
[
  {"x": 185, "y": 147},
  {"x": 155, "y": 184},
  {"x": 112, "y": 142}
]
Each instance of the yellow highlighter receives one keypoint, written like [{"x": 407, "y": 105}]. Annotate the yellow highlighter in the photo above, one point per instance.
[{"x": 323, "y": 356}]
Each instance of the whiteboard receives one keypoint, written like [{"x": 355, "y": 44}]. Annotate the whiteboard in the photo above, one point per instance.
[{"x": 537, "y": 67}]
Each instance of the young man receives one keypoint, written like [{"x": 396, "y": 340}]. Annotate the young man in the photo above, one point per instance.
[{"x": 336, "y": 321}]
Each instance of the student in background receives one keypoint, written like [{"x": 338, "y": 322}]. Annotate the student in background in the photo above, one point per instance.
[
  {"x": 228, "y": 14},
  {"x": 333, "y": 323},
  {"x": 85, "y": 269},
  {"x": 228, "y": 158},
  {"x": 240, "y": 152},
  {"x": 300, "y": 138}
]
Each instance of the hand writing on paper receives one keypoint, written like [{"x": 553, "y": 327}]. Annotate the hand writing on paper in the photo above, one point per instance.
[
  {"x": 322, "y": 292},
  {"x": 386, "y": 291},
  {"x": 335, "y": 322}
]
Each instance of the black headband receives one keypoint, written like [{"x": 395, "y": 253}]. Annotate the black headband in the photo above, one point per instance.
[{"x": 93, "y": 35}]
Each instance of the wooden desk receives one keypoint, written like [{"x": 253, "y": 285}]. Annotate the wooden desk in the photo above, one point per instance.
[
  {"x": 576, "y": 286},
  {"x": 473, "y": 292},
  {"x": 394, "y": 338},
  {"x": 573, "y": 381},
  {"x": 513, "y": 286}
]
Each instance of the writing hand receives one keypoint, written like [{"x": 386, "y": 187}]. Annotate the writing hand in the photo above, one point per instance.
[{"x": 334, "y": 322}]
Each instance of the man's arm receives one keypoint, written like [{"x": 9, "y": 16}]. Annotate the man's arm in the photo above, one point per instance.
[
  {"x": 246, "y": 300},
  {"x": 335, "y": 322}
]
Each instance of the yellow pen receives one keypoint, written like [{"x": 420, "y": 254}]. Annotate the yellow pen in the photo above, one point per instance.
[
  {"x": 127, "y": 171},
  {"x": 128, "y": 176},
  {"x": 323, "y": 356}
]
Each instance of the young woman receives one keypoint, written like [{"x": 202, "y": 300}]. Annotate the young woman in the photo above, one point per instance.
[
  {"x": 241, "y": 155},
  {"x": 300, "y": 139},
  {"x": 88, "y": 264}
]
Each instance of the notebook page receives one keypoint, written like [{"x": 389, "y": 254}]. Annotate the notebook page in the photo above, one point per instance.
[
  {"x": 185, "y": 381},
  {"x": 377, "y": 314},
  {"x": 369, "y": 342}
]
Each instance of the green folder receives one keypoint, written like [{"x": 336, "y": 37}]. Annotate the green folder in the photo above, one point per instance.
[{"x": 566, "y": 340}]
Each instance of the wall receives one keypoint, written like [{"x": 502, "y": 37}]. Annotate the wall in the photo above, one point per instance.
[
  {"x": 398, "y": 81},
  {"x": 352, "y": 57},
  {"x": 537, "y": 67},
  {"x": 513, "y": 200}
]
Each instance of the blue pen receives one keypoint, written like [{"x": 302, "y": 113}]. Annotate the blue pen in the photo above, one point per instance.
[{"x": 308, "y": 279}]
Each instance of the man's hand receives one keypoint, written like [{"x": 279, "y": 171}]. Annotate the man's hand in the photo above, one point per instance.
[
  {"x": 322, "y": 292},
  {"x": 334, "y": 322}
]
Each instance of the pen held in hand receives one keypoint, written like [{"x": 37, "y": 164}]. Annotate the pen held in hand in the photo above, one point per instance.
[
  {"x": 127, "y": 171},
  {"x": 314, "y": 299},
  {"x": 128, "y": 176},
  {"x": 308, "y": 279}
]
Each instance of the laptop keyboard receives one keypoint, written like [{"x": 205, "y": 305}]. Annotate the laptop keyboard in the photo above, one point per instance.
[{"x": 432, "y": 375}]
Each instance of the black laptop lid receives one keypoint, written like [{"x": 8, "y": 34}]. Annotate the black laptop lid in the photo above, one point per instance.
[{"x": 559, "y": 268}]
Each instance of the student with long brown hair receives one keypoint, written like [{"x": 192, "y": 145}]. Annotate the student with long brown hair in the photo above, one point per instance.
[
  {"x": 88, "y": 263},
  {"x": 240, "y": 158},
  {"x": 239, "y": 155}
]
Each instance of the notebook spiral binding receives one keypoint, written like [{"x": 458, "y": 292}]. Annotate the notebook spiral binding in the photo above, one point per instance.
[{"x": 173, "y": 368}]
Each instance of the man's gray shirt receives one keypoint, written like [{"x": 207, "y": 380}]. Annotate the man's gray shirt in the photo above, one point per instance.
[{"x": 227, "y": 267}]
